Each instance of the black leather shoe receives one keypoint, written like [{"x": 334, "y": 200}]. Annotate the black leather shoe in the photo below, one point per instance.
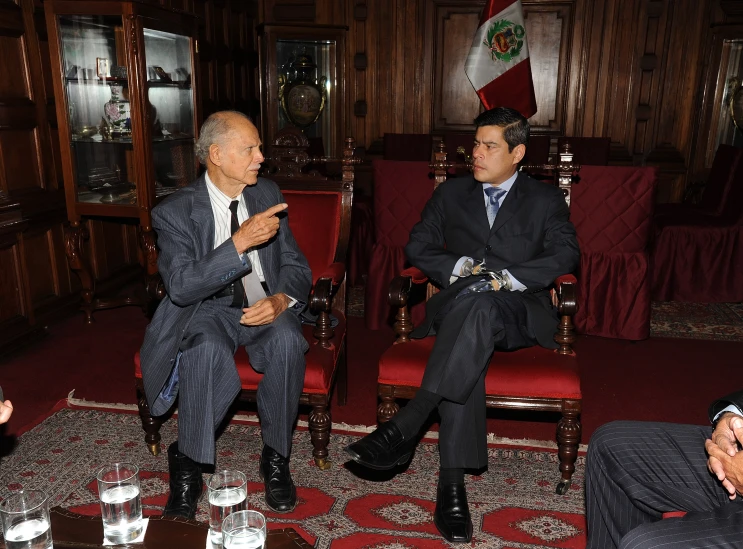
[
  {"x": 281, "y": 495},
  {"x": 452, "y": 514},
  {"x": 185, "y": 484},
  {"x": 383, "y": 449}
]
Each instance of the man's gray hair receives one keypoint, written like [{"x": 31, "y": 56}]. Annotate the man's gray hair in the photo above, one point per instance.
[{"x": 214, "y": 129}]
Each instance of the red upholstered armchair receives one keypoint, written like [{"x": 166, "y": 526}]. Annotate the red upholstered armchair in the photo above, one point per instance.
[
  {"x": 401, "y": 190},
  {"x": 700, "y": 257},
  {"x": 612, "y": 211},
  {"x": 319, "y": 217},
  {"x": 534, "y": 379}
]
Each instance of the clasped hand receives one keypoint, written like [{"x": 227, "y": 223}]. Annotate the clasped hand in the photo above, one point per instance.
[
  {"x": 258, "y": 229},
  {"x": 264, "y": 311},
  {"x": 725, "y": 458}
]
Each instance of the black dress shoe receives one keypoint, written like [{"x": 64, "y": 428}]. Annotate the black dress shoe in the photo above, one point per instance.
[
  {"x": 383, "y": 449},
  {"x": 281, "y": 495},
  {"x": 452, "y": 514},
  {"x": 185, "y": 484}
]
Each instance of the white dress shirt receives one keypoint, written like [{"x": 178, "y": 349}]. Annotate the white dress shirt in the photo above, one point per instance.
[
  {"x": 516, "y": 286},
  {"x": 223, "y": 221}
]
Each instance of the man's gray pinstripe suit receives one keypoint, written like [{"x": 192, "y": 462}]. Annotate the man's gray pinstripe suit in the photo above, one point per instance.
[
  {"x": 636, "y": 471},
  {"x": 201, "y": 334}
]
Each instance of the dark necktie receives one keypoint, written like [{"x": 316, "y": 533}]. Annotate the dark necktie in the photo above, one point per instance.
[
  {"x": 494, "y": 195},
  {"x": 249, "y": 288}
]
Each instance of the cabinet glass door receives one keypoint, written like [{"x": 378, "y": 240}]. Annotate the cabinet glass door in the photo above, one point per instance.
[
  {"x": 95, "y": 77},
  {"x": 307, "y": 91},
  {"x": 170, "y": 97}
]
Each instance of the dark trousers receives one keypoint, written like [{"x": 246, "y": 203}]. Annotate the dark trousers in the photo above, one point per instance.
[
  {"x": 636, "y": 471},
  {"x": 468, "y": 330},
  {"x": 208, "y": 380}
]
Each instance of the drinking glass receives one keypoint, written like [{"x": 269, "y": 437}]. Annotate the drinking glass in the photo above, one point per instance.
[
  {"x": 228, "y": 493},
  {"x": 244, "y": 530},
  {"x": 121, "y": 505},
  {"x": 25, "y": 518}
]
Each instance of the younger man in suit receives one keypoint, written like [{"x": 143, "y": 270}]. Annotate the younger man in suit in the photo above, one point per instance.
[
  {"x": 636, "y": 471},
  {"x": 234, "y": 276},
  {"x": 519, "y": 227}
]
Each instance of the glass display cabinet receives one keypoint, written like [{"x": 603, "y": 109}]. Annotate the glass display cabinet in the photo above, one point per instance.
[
  {"x": 127, "y": 114},
  {"x": 302, "y": 70}
]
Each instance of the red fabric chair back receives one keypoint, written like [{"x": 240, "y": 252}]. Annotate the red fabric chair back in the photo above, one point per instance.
[
  {"x": 408, "y": 146},
  {"x": 401, "y": 190},
  {"x": 588, "y": 151},
  {"x": 315, "y": 221},
  {"x": 612, "y": 210}
]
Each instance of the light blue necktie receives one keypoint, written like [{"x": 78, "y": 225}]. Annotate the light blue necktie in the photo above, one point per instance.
[{"x": 494, "y": 195}]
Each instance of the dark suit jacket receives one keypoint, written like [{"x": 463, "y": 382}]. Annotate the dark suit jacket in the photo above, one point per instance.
[
  {"x": 532, "y": 237},
  {"x": 721, "y": 403},
  {"x": 193, "y": 270}
]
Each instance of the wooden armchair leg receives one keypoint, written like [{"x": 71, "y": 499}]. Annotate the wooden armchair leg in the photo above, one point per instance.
[
  {"x": 151, "y": 425},
  {"x": 387, "y": 406},
  {"x": 568, "y": 439},
  {"x": 319, "y": 422}
]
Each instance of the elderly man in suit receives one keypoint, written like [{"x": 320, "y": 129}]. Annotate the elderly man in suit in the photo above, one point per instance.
[
  {"x": 234, "y": 276},
  {"x": 520, "y": 228},
  {"x": 636, "y": 471}
]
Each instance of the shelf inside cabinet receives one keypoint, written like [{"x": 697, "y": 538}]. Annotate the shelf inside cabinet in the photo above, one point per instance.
[{"x": 125, "y": 83}]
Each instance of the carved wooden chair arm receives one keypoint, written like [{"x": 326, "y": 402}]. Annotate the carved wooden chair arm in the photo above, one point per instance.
[{"x": 321, "y": 301}]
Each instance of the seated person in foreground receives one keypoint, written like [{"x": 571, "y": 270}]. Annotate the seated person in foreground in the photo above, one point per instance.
[
  {"x": 234, "y": 276},
  {"x": 520, "y": 228},
  {"x": 636, "y": 471}
]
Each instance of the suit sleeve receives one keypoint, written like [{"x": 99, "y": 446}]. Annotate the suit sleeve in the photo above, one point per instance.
[
  {"x": 188, "y": 280},
  {"x": 560, "y": 252},
  {"x": 295, "y": 276},
  {"x": 426, "y": 248},
  {"x": 736, "y": 399}
]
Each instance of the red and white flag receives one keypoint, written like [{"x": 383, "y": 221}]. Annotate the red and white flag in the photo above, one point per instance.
[{"x": 498, "y": 63}]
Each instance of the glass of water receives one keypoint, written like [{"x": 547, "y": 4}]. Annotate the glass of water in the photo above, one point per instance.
[
  {"x": 228, "y": 493},
  {"x": 121, "y": 505},
  {"x": 244, "y": 530},
  {"x": 25, "y": 518}
]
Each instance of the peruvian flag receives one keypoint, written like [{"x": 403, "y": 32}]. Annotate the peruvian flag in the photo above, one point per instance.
[{"x": 498, "y": 63}]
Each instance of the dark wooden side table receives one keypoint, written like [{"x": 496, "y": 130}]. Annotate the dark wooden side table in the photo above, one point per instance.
[{"x": 74, "y": 531}]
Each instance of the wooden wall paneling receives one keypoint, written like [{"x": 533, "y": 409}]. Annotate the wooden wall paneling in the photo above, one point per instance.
[
  {"x": 549, "y": 34},
  {"x": 207, "y": 66},
  {"x": 455, "y": 102},
  {"x": 549, "y": 28},
  {"x": 398, "y": 87},
  {"x": 356, "y": 79},
  {"x": 680, "y": 75},
  {"x": 331, "y": 12}
]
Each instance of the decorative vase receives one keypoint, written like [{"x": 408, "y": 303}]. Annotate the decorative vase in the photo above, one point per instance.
[
  {"x": 302, "y": 97},
  {"x": 118, "y": 113}
]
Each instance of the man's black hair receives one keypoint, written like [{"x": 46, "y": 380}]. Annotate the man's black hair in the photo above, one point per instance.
[{"x": 515, "y": 126}]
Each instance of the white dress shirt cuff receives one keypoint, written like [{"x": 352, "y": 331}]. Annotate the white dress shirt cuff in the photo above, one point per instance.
[
  {"x": 731, "y": 408},
  {"x": 458, "y": 268},
  {"x": 516, "y": 286}
]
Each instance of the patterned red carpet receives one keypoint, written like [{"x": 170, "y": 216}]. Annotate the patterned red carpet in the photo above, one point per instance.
[
  {"x": 513, "y": 503},
  {"x": 718, "y": 321}
]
